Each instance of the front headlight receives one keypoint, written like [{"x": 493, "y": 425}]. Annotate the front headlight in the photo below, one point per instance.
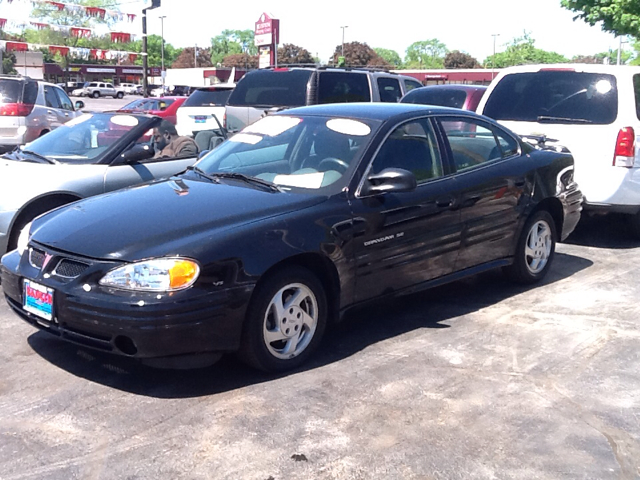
[
  {"x": 23, "y": 238},
  {"x": 160, "y": 275}
]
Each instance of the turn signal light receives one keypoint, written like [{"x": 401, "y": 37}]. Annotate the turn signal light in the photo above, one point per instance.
[
  {"x": 15, "y": 109},
  {"x": 625, "y": 152}
]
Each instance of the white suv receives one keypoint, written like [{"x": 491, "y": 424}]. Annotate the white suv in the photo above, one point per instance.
[
  {"x": 30, "y": 108},
  {"x": 101, "y": 89},
  {"x": 593, "y": 110}
]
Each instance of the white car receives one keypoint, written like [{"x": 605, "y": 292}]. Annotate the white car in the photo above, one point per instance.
[
  {"x": 197, "y": 112},
  {"x": 102, "y": 89},
  {"x": 130, "y": 88},
  {"x": 593, "y": 110}
]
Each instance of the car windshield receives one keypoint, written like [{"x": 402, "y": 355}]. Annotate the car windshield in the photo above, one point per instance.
[
  {"x": 292, "y": 152},
  {"x": 86, "y": 138},
  {"x": 208, "y": 98},
  {"x": 555, "y": 96},
  {"x": 136, "y": 105}
]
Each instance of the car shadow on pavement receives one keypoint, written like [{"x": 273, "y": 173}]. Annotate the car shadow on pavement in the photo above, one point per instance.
[
  {"x": 437, "y": 308},
  {"x": 604, "y": 231}
]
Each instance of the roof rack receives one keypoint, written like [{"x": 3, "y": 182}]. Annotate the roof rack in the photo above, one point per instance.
[{"x": 326, "y": 67}]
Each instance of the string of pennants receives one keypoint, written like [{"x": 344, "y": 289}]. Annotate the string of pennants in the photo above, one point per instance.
[
  {"x": 81, "y": 53},
  {"x": 102, "y": 13},
  {"x": 80, "y": 32}
]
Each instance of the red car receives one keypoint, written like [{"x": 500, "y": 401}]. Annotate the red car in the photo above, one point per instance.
[{"x": 165, "y": 107}]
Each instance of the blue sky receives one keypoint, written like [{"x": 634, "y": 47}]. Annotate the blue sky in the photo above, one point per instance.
[{"x": 466, "y": 25}]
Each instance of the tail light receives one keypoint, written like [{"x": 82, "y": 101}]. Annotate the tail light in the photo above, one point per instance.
[
  {"x": 15, "y": 109},
  {"x": 625, "y": 153}
]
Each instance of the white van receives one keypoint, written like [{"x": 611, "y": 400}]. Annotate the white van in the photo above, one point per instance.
[
  {"x": 593, "y": 110},
  {"x": 197, "y": 112}
]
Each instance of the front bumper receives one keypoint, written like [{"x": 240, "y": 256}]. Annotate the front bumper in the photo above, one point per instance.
[{"x": 143, "y": 325}]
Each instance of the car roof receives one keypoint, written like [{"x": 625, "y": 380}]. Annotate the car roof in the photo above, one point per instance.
[
  {"x": 577, "y": 67},
  {"x": 371, "y": 110},
  {"x": 451, "y": 86}
]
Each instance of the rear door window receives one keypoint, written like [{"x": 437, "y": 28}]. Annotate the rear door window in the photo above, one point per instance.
[
  {"x": 208, "y": 98},
  {"x": 341, "y": 87},
  {"x": 389, "y": 89},
  {"x": 271, "y": 88},
  {"x": 636, "y": 89},
  {"x": 555, "y": 96}
]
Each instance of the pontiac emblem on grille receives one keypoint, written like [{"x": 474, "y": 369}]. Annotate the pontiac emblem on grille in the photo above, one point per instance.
[{"x": 47, "y": 259}]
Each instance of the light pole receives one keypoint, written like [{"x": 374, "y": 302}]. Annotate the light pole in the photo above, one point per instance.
[
  {"x": 195, "y": 56},
  {"x": 162, "y": 17},
  {"x": 493, "y": 59},
  {"x": 346, "y": 26}
]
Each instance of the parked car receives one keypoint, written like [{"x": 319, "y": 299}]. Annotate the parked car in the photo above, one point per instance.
[
  {"x": 466, "y": 97},
  {"x": 289, "y": 223},
  {"x": 79, "y": 91},
  {"x": 92, "y": 154},
  {"x": 197, "y": 112},
  {"x": 130, "y": 88},
  {"x": 101, "y": 89},
  {"x": 594, "y": 111},
  {"x": 30, "y": 108},
  {"x": 165, "y": 107},
  {"x": 263, "y": 91}
]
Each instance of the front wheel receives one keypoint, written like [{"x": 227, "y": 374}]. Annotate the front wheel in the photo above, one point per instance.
[
  {"x": 285, "y": 320},
  {"x": 95, "y": 94},
  {"x": 535, "y": 249}
]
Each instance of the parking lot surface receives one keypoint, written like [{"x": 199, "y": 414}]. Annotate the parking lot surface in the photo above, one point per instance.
[{"x": 477, "y": 379}]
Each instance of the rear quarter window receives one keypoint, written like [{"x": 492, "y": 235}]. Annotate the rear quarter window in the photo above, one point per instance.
[{"x": 555, "y": 97}]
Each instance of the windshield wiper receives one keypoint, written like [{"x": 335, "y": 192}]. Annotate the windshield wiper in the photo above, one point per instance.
[
  {"x": 37, "y": 155},
  {"x": 202, "y": 173},
  {"x": 547, "y": 118},
  {"x": 248, "y": 179}
]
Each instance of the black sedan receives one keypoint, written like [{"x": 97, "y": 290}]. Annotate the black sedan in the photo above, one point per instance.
[{"x": 286, "y": 226}]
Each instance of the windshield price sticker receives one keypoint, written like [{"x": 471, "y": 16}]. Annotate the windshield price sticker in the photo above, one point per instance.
[{"x": 38, "y": 299}]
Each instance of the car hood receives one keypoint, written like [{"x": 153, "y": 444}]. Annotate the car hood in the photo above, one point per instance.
[{"x": 170, "y": 217}]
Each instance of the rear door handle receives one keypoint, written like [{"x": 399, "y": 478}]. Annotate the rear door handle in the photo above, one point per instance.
[{"x": 444, "y": 202}]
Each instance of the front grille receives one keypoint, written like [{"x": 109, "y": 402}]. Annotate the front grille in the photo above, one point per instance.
[
  {"x": 36, "y": 258},
  {"x": 69, "y": 268}
]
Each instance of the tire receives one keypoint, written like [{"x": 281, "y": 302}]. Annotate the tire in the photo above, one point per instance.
[
  {"x": 120, "y": 95},
  {"x": 535, "y": 250},
  {"x": 95, "y": 94},
  {"x": 267, "y": 339},
  {"x": 634, "y": 225}
]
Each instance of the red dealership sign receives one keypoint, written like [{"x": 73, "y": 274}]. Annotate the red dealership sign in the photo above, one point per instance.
[{"x": 267, "y": 30}]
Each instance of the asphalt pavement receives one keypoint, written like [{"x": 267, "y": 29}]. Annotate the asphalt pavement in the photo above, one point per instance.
[
  {"x": 104, "y": 103},
  {"x": 477, "y": 379}
]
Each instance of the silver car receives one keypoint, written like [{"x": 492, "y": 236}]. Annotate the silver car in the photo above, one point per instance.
[
  {"x": 92, "y": 154},
  {"x": 30, "y": 108}
]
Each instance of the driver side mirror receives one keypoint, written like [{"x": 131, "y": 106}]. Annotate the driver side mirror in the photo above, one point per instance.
[
  {"x": 137, "y": 153},
  {"x": 162, "y": 106},
  {"x": 79, "y": 104},
  {"x": 394, "y": 180}
]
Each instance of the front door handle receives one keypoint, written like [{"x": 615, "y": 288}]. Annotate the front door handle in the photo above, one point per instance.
[
  {"x": 444, "y": 202},
  {"x": 520, "y": 182}
]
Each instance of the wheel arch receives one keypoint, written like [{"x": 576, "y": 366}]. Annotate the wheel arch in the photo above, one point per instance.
[
  {"x": 320, "y": 266},
  {"x": 554, "y": 207},
  {"x": 38, "y": 206}
]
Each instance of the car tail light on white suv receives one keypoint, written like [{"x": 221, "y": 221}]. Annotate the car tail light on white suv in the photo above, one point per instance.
[
  {"x": 15, "y": 109},
  {"x": 624, "y": 155}
]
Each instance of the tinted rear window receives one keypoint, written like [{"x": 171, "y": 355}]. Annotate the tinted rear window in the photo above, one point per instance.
[
  {"x": 436, "y": 96},
  {"x": 341, "y": 87},
  {"x": 270, "y": 88},
  {"x": 207, "y": 98},
  {"x": 11, "y": 91},
  {"x": 636, "y": 89},
  {"x": 555, "y": 97}
]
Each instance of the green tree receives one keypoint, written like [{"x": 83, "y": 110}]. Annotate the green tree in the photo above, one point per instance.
[
  {"x": 8, "y": 62},
  {"x": 426, "y": 54},
  {"x": 290, "y": 53},
  {"x": 230, "y": 42},
  {"x": 154, "y": 51},
  {"x": 522, "y": 51},
  {"x": 186, "y": 59},
  {"x": 390, "y": 56},
  {"x": 241, "y": 60},
  {"x": 636, "y": 59},
  {"x": 358, "y": 54},
  {"x": 610, "y": 57},
  {"x": 458, "y": 59},
  {"x": 621, "y": 17}
]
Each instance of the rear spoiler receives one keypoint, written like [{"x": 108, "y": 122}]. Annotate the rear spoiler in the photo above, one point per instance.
[{"x": 543, "y": 143}]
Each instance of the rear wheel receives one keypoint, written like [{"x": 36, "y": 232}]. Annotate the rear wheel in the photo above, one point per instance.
[
  {"x": 285, "y": 320},
  {"x": 120, "y": 95},
  {"x": 535, "y": 250}
]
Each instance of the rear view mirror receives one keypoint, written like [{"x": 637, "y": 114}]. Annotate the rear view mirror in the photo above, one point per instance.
[
  {"x": 162, "y": 106},
  {"x": 390, "y": 180},
  {"x": 137, "y": 153}
]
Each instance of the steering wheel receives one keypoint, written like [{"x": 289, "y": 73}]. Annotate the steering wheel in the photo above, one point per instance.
[{"x": 341, "y": 164}]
